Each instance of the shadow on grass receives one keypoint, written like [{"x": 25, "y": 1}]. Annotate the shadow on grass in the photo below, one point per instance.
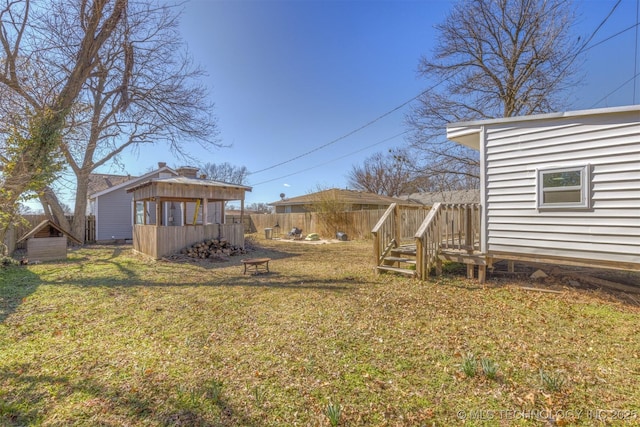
[
  {"x": 35, "y": 393},
  {"x": 267, "y": 280},
  {"x": 216, "y": 263},
  {"x": 16, "y": 284}
]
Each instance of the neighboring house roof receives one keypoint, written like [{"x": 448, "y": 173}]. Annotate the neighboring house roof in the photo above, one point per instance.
[
  {"x": 232, "y": 212},
  {"x": 351, "y": 197},
  {"x": 102, "y": 181},
  {"x": 188, "y": 181},
  {"x": 48, "y": 223},
  {"x": 456, "y": 196},
  {"x": 128, "y": 182}
]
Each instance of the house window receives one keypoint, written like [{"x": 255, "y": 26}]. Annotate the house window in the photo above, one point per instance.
[
  {"x": 139, "y": 212},
  {"x": 564, "y": 188}
]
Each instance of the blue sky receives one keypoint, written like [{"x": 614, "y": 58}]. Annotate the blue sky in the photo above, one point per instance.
[{"x": 290, "y": 77}]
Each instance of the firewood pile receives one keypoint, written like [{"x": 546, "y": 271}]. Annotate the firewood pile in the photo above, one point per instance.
[{"x": 215, "y": 248}]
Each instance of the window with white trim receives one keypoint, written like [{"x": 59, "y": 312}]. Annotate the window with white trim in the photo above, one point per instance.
[{"x": 564, "y": 188}]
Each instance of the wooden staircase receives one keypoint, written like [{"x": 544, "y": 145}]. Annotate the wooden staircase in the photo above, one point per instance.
[
  {"x": 448, "y": 232},
  {"x": 400, "y": 260}
]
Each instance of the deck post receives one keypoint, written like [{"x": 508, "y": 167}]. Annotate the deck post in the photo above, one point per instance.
[
  {"x": 376, "y": 249},
  {"x": 468, "y": 227},
  {"x": 482, "y": 273},
  {"x": 398, "y": 223},
  {"x": 420, "y": 274}
]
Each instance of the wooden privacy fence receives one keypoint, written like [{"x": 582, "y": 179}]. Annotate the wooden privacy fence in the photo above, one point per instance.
[{"x": 355, "y": 224}]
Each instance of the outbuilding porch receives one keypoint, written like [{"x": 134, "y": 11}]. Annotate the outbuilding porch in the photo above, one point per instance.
[{"x": 173, "y": 213}]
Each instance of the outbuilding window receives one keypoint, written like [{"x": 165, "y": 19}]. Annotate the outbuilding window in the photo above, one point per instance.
[{"x": 564, "y": 188}]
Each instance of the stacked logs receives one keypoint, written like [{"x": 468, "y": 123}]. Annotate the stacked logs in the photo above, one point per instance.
[{"x": 215, "y": 248}]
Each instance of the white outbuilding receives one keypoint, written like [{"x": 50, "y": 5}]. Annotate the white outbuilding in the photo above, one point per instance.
[{"x": 561, "y": 188}]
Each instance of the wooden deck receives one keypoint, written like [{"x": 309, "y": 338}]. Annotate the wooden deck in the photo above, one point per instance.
[
  {"x": 403, "y": 260},
  {"x": 450, "y": 232}
]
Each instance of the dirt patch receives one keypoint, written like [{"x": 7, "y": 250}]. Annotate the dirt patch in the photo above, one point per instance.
[
  {"x": 310, "y": 242},
  {"x": 623, "y": 285}
]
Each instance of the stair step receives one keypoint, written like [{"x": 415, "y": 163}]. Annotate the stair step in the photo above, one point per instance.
[
  {"x": 403, "y": 251},
  {"x": 400, "y": 259},
  {"x": 397, "y": 270}
]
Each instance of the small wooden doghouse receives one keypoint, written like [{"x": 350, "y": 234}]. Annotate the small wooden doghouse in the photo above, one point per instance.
[{"x": 47, "y": 242}]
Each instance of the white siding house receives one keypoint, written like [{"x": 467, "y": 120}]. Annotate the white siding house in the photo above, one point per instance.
[
  {"x": 559, "y": 187},
  {"x": 113, "y": 206}
]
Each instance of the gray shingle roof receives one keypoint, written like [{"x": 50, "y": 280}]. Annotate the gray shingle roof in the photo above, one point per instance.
[
  {"x": 101, "y": 181},
  {"x": 456, "y": 196},
  {"x": 346, "y": 196}
]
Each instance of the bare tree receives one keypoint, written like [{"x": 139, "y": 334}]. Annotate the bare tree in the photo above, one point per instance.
[
  {"x": 260, "y": 208},
  {"x": 226, "y": 172},
  {"x": 495, "y": 58},
  {"x": 330, "y": 208},
  {"x": 144, "y": 90},
  {"x": 37, "y": 113},
  {"x": 382, "y": 173},
  {"x": 389, "y": 174}
]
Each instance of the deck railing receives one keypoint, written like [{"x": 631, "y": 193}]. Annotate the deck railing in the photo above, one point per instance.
[
  {"x": 385, "y": 232},
  {"x": 447, "y": 227},
  {"x": 396, "y": 227}
]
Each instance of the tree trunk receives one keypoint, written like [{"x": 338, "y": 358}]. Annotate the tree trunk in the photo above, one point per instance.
[
  {"x": 31, "y": 167},
  {"x": 79, "y": 224},
  {"x": 53, "y": 210}
]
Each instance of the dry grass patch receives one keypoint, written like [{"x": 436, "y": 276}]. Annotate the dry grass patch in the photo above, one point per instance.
[{"x": 110, "y": 338}]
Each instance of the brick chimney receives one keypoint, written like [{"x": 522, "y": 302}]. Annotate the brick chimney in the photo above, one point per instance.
[{"x": 161, "y": 165}]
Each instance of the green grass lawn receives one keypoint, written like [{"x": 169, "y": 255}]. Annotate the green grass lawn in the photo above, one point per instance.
[{"x": 108, "y": 338}]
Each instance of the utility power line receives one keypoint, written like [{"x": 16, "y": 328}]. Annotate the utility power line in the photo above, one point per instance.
[
  {"x": 366, "y": 125},
  {"x": 593, "y": 34},
  {"x": 635, "y": 73},
  {"x": 631, "y": 27},
  {"x": 582, "y": 49},
  {"x": 614, "y": 91},
  {"x": 333, "y": 160}
]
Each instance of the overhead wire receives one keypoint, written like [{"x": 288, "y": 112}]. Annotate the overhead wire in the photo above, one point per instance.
[
  {"x": 582, "y": 49},
  {"x": 332, "y": 160},
  {"x": 366, "y": 125},
  {"x": 614, "y": 91},
  {"x": 593, "y": 34},
  {"x": 635, "y": 73}
]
